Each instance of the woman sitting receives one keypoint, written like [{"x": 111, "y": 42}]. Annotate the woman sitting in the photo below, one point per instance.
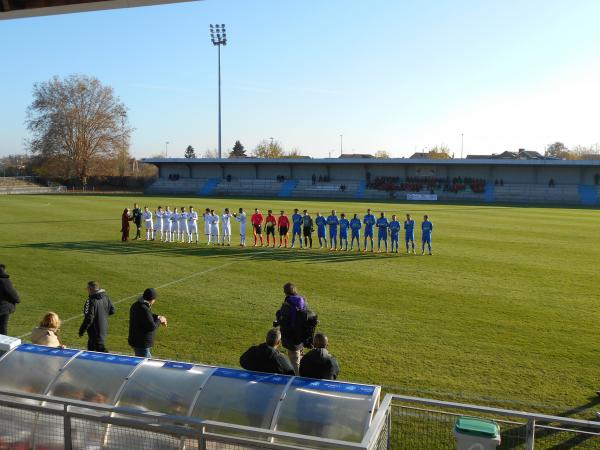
[{"x": 47, "y": 333}]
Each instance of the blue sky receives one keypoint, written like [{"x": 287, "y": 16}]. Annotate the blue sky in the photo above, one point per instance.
[{"x": 388, "y": 75}]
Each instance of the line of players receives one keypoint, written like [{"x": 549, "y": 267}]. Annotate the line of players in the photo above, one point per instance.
[{"x": 180, "y": 225}]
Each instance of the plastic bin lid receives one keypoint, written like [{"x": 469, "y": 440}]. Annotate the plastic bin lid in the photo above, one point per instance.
[{"x": 477, "y": 427}]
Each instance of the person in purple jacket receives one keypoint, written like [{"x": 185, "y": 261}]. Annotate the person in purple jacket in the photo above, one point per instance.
[{"x": 291, "y": 318}]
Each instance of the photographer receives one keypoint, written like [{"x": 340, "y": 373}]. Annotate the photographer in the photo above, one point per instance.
[{"x": 297, "y": 324}]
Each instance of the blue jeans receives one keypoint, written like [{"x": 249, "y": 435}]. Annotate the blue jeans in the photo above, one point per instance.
[{"x": 142, "y": 352}]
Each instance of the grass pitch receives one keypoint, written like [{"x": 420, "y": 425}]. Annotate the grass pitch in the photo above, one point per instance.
[{"x": 505, "y": 312}]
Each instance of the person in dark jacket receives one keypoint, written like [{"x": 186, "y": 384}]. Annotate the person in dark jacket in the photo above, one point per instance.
[
  {"x": 9, "y": 297},
  {"x": 291, "y": 322},
  {"x": 143, "y": 324},
  {"x": 125, "y": 219},
  {"x": 96, "y": 310},
  {"x": 137, "y": 219},
  {"x": 266, "y": 357},
  {"x": 319, "y": 363}
]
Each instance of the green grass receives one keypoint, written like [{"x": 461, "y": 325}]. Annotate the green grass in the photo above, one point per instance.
[{"x": 505, "y": 312}]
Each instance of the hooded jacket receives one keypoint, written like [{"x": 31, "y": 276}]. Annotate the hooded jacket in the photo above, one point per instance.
[
  {"x": 9, "y": 296},
  {"x": 318, "y": 363},
  {"x": 264, "y": 358},
  {"x": 96, "y": 310},
  {"x": 291, "y": 317},
  {"x": 142, "y": 324}
]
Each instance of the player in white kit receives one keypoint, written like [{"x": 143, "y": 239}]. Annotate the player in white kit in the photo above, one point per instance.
[
  {"x": 167, "y": 223},
  {"x": 175, "y": 216},
  {"x": 241, "y": 218},
  {"x": 159, "y": 215},
  {"x": 207, "y": 221},
  {"x": 192, "y": 225},
  {"x": 183, "y": 228},
  {"x": 147, "y": 216},
  {"x": 214, "y": 227},
  {"x": 226, "y": 227}
]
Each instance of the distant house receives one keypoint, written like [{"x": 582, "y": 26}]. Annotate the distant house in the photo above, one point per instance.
[
  {"x": 521, "y": 154},
  {"x": 420, "y": 155},
  {"x": 355, "y": 156}
]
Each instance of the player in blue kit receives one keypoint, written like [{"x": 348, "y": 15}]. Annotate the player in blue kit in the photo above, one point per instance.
[
  {"x": 321, "y": 227},
  {"x": 333, "y": 223},
  {"x": 355, "y": 226},
  {"x": 394, "y": 233},
  {"x": 427, "y": 229},
  {"x": 382, "y": 232},
  {"x": 296, "y": 227},
  {"x": 409, "y": 232},
  {"x": 369, "y": 221},
  {"x": 344, "y": 225}
]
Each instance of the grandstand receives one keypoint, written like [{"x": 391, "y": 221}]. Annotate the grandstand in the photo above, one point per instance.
[
  {"x": 462, "y": 180},
  {"x": 25, "y": 185}
]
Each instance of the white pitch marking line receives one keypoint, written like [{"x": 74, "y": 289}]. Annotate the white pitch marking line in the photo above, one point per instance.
[{"x": 170, "y": 283}]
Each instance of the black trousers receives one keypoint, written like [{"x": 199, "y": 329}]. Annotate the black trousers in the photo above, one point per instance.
[
  {"x": 4, "y": 324},
  {"x": 95, "y": 346}
]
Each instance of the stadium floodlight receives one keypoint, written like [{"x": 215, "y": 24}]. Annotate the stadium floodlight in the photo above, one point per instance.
[{"x": 218, "y": 37}]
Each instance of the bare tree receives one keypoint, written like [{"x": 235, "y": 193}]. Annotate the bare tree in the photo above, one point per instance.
[
  {"x": 439, "y": 152},
  {"x": 382, "y": 154},
  {"x": 211, "y": 153},
  {"x": 79, "y": 120}
]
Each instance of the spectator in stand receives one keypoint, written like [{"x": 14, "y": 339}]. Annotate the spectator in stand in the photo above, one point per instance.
[
  {"x": 143, "y": 324},
  {"x": 266, "y": 357},
  {"x": 47, "y": 333},
  {"x": 125, "y": 219},
  {"x": 319, "y": 363},
  {"x": 9, "y": 297},
  {"x": 96, "y": 310}
]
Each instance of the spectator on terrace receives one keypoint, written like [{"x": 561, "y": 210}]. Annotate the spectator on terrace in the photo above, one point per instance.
[
  {"x": 266, "y": 357},
  {"x": 9, "y": 298},
  {"x": 314, "y": 179},
  {"x": 319, "y": 363},
  {"x": 551, "y": 182},
  {"x": 47, "y": 333}
]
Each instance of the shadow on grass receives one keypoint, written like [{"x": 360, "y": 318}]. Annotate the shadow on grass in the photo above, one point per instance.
[{"x": 204, "y": 251}]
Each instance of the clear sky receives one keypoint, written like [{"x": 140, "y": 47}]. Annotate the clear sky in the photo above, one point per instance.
[{"x": 389, "y": 75}]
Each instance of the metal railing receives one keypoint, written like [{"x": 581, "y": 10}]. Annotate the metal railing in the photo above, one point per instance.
[
  {"x": 419, "y": 423},
  {"x": 401, "y": 422}
]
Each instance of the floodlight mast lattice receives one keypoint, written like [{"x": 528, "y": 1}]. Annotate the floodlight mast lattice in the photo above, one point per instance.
[{"x": 218, "y": 36}]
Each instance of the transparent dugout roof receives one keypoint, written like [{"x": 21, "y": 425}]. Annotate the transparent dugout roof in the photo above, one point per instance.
[{"x": 327, "y": 409}]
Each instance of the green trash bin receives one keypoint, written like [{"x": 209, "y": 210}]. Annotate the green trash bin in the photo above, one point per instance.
[{"x": 472, "y": 433}]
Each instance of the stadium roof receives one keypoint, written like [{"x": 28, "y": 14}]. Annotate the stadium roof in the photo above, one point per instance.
[
  {"x": 13, "y": 9},
  {"x": 377, "y": 161}
]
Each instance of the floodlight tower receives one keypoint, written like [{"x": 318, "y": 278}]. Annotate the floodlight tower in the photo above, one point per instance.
[{"x": 218, "y": 38}]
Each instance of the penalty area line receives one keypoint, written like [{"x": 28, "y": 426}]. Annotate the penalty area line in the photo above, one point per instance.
[{"x": 137, "y": 294}]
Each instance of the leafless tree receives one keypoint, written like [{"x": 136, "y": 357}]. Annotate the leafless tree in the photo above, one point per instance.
[{"x": 78, "y": 120}]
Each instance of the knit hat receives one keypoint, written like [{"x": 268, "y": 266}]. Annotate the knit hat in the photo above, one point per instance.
[{"x": 150, "y": 294}]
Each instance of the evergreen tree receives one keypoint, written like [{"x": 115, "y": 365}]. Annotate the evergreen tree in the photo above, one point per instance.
[
  {"x": 238, "y": 151},
  {"x": 189, "y": 152}
]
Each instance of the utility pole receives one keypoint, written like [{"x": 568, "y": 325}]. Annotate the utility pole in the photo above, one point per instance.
[
  {"x": 462, "y": 144},
  {"x": 341, "y": 144}
]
